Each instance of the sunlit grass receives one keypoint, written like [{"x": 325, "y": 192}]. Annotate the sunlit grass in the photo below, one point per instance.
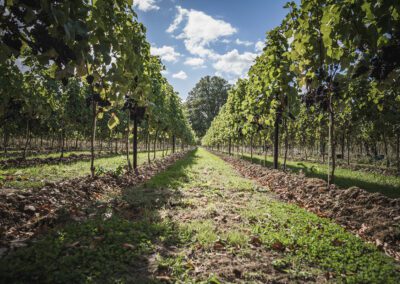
[{"x": 36, "y": 176}]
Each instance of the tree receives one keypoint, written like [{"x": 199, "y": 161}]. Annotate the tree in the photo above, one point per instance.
[{"x": 204, "y": 102}]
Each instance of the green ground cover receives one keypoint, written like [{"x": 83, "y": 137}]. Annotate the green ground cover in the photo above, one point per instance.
[{"x": 199, "y": 222}]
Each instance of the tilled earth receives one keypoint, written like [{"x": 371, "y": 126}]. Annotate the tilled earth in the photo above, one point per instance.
[
  {"x": 24, "y": 213},
  {"x": 372, "y": 216}
]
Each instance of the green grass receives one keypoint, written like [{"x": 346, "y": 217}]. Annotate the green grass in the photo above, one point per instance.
[
  {"x": 36, "y": 176},
  {"x": 152, "y": 237},
  {"x": 46, "y": 155},
  {"x": 109, "y": 251},
  {"x": 315, "y": 245},
  {"x": 201, "y": 232},
  {"x": 344, "y": 178},
  {"x": 99, "y": 250},
  {"x": 311, "y": 242},
  {"x": 52, "y": 154}
]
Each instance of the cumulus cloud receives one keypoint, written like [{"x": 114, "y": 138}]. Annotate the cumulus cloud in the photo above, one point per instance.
[
  {"x": 178, "y": 19},
  {"x": 244, "y": 42},
  {"x": 233, "y": 63},
  {"x": 167, "y": 53},
  {"x": 259, "y": 46},
  {"x": 145, "y": 5},
  {"x": 180, "y": 75},
  {"x": 199, "y": 30},
  {"x": 194, "y": 61}
]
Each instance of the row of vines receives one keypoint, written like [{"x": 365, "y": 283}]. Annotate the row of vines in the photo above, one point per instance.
[
  {"x": 328, "y": 79},
  {"x": 81, "y": 71}
]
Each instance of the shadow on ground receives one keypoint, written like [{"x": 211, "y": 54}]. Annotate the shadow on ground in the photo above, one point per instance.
[{"x": 116, "y": 245}]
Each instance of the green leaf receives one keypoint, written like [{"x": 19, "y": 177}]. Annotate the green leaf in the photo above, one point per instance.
[{"x": 113, "y": 121}]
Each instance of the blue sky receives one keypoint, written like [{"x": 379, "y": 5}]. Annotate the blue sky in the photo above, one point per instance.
[{"x": 195, "y": 38}]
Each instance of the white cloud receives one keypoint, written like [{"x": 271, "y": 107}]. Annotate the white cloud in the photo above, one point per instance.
[
  {"x": 180, "y": 75},
  {"x": 244, "y": 42},
  {"x": 259, "y": 46},
  {"x": 199, "y": 31},
  {"x": 194, "y": 61},
  {"x": 167, "y": 53},
  {"x": 234, "y": 64},
  {"x": 178, "y": 19},
  {"x": 164, "y": 72},
  {"x": 145, "y": 5}
]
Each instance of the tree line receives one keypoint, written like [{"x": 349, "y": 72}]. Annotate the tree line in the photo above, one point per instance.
[
  {"x": 327, "y": 79},
  {"x": 83, "y": 70}
]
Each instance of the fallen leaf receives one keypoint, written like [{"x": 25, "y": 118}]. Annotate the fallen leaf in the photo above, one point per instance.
[
  {"x": 190, "y": 265},
  {"x": 163, "y": 278},
  {"x": 378, "y": 243},
  {"x": 278, "y": 246},
  {"x": 72, "y": 245},
  {"x": 218, "y": 245},
  {"x": 29, "y": 208},
  {"x": 237, "y": 272},
  {"x": 128, "y": 246},
  {"x": 255, "y": 241},
  {"x": 337, "y": 243}
]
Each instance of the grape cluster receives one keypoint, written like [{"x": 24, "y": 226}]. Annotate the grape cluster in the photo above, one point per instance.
[
  {"x": 382, "y": 64},
  {"x": 135, "y": 111},
  {"x": 320, "y": 96}
]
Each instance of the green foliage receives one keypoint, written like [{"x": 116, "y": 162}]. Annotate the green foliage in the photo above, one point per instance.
[
  {"x": 72, "y": 65},
  {"x": 329, "y": 64}
]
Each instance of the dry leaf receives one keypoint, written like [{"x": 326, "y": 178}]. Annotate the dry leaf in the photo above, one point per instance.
[
  {"x": 255, "y": 241},
  {"x": 278, "y": 246},
  {"x": 128, "y": 246},
  {"x": 218, "y": 245}
]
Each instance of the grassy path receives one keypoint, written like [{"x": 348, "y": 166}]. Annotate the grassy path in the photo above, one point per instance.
[
  {"x": 344, "y": 178},
  {"x": 36, "y": 176},
  {"x": 45, "y": 155},
  {"x": 199, "y": 222}
]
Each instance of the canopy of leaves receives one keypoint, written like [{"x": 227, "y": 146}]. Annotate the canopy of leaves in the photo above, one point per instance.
[{"x": 204, "y": 102}]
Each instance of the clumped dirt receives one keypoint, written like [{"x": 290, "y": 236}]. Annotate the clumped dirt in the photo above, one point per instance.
[
  {"x": 24, "y": 213},
  {"x": 372, "y": 216},
  {"x": 24, "y": 163}
]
